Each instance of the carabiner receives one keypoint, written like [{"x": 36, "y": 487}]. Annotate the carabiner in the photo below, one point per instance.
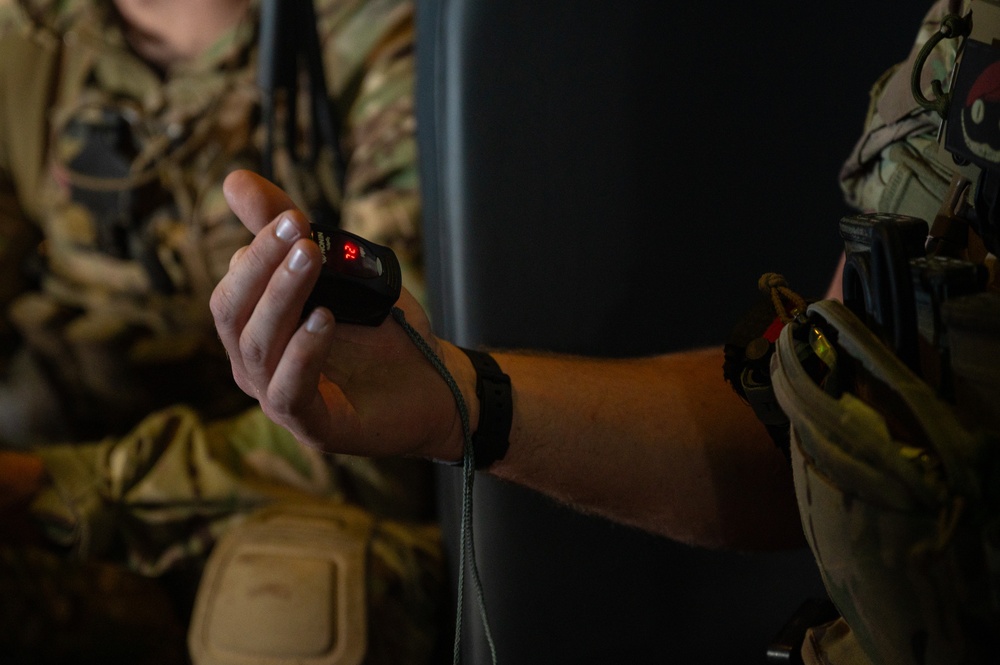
[{"x": 952, "y": 26}]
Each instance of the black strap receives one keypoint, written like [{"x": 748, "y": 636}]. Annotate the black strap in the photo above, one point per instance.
[
  {"x": 288, "y": 38},
  {"x": 496, "y": 409}
]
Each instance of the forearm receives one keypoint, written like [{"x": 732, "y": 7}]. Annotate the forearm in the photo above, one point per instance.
[{"x": 662, "y": 443}]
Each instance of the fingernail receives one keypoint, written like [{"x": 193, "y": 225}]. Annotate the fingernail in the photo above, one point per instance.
[
  {"x": 298, "y": 260},
  {"x": 286, "y": 230},
  {"x": 317, "y": 321}
]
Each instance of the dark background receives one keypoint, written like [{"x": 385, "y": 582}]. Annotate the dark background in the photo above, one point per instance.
[{"x": 612, "y": 178}]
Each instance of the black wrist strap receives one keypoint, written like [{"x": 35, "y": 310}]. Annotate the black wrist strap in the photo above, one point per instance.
[{"x": 496, "y": 409}]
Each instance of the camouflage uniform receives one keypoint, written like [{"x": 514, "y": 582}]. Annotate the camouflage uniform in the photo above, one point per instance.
[
  {"x": 113, "y": 233},
  {"x": 119, "y": 169},
  {"x": 894, "y": 491}
]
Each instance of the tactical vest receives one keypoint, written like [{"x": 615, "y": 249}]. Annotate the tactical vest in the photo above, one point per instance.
[{"x": 122, "y": 168}]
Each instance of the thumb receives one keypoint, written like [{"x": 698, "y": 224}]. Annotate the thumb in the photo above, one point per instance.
[{"x": 255, "y": 200}]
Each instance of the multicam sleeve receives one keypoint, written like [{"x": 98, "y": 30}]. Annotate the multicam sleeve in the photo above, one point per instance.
[
  {"x": 162, "y": 494},
  {"x": 172, "y": 485},
  {"x": 369, "y": 58},
  {"x": 897, "y": 165}
]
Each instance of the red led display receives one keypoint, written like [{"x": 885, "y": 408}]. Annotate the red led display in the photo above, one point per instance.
[{"x": 350, "y": 251}]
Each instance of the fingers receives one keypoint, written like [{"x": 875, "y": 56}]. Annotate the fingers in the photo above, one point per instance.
[
  {"x": 258, "y": 304},
  {"x": 292, "y": 396},
  {"x": 278, "y": 312},
  {"x": 255, "y": 200}
]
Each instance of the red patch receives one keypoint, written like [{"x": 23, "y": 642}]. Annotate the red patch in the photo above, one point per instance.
[{"x": 773, "y": 330}]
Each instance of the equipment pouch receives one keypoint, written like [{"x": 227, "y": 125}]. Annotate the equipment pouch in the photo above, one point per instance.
[
  {"x": 895, "y": 499},
  {"x": 286, "y": 586}
]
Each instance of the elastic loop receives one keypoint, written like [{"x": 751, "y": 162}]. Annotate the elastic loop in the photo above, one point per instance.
[{"x": 775, "y": 287}]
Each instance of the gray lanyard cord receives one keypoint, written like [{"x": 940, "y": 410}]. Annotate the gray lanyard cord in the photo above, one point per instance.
[{"x": 468, "y": 476}]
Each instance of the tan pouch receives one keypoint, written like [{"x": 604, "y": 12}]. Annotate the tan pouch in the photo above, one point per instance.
[{"x": 286, "y": 586}]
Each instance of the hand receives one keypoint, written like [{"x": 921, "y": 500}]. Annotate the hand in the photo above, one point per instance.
[{"x": 340, "y": 388}]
